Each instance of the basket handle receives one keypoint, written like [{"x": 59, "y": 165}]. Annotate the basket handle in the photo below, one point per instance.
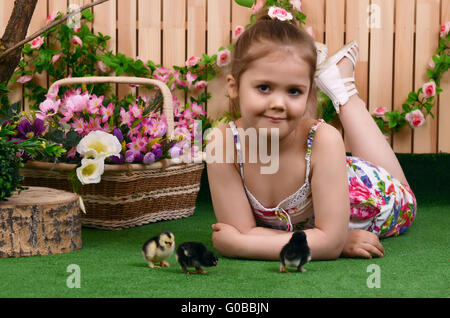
[{"x": 165, "y": 91}]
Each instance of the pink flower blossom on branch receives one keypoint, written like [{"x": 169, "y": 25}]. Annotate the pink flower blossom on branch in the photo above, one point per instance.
[
  {"x": 223, "y": 58},
  {"x": 37, "y": 42},
  {"x": 415, "y": 118},
  {"x": 429, "y": 89}
]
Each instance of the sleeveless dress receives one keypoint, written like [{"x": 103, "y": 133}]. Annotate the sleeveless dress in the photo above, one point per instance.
[{"x": 379, "y": 203}]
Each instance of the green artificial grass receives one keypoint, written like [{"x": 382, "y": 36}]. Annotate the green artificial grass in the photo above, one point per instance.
[{"x": 111, "y": 265}]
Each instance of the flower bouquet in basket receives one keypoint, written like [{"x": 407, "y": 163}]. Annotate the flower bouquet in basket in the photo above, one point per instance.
[{"x": 132, "y": 161}]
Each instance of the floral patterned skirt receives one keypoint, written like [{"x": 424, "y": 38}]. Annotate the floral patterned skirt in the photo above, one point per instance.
[{"x": 379, "y": 203}]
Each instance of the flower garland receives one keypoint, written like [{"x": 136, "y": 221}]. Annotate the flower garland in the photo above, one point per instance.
[{"x": 419, "y": 103}]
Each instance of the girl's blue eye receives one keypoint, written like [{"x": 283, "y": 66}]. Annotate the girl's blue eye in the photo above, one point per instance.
[
  {"x": 295, "y": 91},
  {"x": 263, "y": 88}
]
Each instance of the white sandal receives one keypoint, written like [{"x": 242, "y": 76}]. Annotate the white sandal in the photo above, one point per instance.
[{"x": 328, "y": 77}]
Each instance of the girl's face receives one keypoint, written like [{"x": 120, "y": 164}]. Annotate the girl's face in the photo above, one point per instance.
[{"x": 273, "y": 91}]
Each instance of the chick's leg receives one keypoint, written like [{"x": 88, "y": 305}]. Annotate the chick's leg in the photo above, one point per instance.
[
  {"x": 164, "y": 264},
  {"x": 199, "y": 270},
  {"x": 152, "y": 265}
]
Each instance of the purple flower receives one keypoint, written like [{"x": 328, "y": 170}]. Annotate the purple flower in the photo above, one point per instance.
[
  {"x": 29, "y": 131},
  {"x": 175, "y": 151},
  {"x": 118, "y": 133},
  {"x": 129, "y": 156},
  {"x": 149, "y": 158},
  {"x": 158, "y": 153},
  {"x": 116, "y": 159}
]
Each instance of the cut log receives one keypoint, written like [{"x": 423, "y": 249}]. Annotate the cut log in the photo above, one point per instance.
[{"x": 40, "y": 221}]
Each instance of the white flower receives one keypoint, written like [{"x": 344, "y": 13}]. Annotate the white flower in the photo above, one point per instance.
[
  {"x": 99, "y": 144},
  {"x": 91, "y": 170},
  {"x": 279, "y": 13}
]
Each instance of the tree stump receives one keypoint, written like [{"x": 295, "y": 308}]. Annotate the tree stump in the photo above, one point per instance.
[{"x": 40, "y": 221}]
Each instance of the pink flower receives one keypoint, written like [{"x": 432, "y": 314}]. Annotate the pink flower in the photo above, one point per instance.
[
  {"x": 52, "y": 17},
  {"x": 238, "y": 31},
  {"x": 72, "y": 153},
  {"x": 192, "y": 61},
  {"x": 78, "y": 125},
  {"x": 54, "y": 93},
  {"x": 76, "y": 40},
  {"x": 48, "y": 109},
  {"x": 297, "y": 4},
  {"x": 126, "y": 117},
  {"x": 163, "y": 78},
  {"x": 429, "y": 89},
  {"x": 93, "y": 125},
  {"x": 445, "y": 29},
  {"x": 415, "y": 118},
  {"x": 379, "y": 112},
  {"x": 190, "y": 78},
  {"x": 258, "y": 5},
  {"x": 197, "y": 109},
  {"x": 77, "y": 103},
  {"x": 94, "y": 104},
  {"x": 24, "y": 79},
  {"x": 135, "y": 111},
  {"x": 223, "y": 58},
  {"x": 106, "y": 112},
  {"x": 102, "y": 67},
  {"x": 201, "y": 84},
  {"x": 431, "y": 63},
  {"x": 55, "y": 58},
  {"x": 279, "y": 13},
  {"x": 37, "y": 43},
  {"x": 138, "y": 144}
]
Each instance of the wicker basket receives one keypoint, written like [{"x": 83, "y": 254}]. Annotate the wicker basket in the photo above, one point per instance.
[{"x": 128, "y": 194}]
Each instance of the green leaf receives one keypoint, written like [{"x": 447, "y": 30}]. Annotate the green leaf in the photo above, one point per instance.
[{"x": 87, "y": 14}]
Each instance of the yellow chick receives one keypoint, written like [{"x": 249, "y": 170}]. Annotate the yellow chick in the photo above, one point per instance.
[{"x": 158, "y": 249}]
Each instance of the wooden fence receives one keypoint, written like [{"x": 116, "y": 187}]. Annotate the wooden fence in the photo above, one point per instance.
[{"x": 397, "y": 38}]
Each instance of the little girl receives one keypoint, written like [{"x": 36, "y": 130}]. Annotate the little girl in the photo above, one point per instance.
[{"x": 344, "y": 204}]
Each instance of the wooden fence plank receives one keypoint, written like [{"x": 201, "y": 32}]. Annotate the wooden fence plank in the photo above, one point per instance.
[
  {"x": 37, "y": 22},
  {"x": 196, "y": 32},
  {"x": 403, "y": 67},
  {"x": 444, "y": 98},
  {"x": 219, "y": 35},
  {"x": 105, "y": 22},
  {"x": 315, "y": 17},
  {"x": 174, "y": 37},
  {"x": 427, "y": 34},
  {"x": 196, "y": 28},
  {"x": 149, "y": 34},
  {"x": 381, "y": 55},
  {"x": 127, "y": 41}
]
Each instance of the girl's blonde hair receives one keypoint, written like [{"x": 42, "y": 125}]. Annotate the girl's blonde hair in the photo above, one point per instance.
[{"x": 273, "y": 33}]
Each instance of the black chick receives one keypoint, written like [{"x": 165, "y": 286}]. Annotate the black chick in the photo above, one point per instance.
[
  {"x": 295, "y": 253},
  {"x": 195, "y": 254}
]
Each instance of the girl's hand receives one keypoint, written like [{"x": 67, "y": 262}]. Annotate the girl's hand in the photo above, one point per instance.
[
  {"x": 361, "y": 243},
  {"x": 226, "y": 239}
]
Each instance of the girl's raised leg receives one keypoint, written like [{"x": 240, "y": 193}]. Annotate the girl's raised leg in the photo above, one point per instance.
[{"x": 363, "y": 135}]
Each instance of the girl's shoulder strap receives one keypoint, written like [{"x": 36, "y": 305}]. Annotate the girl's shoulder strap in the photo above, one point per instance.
[
  {"x": 309, "y": 143},
  {"x": 238, "y": 147}
]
